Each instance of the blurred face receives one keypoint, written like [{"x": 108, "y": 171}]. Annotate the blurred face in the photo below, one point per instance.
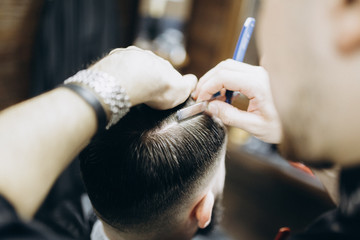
[{"x": 315, "y": 83}]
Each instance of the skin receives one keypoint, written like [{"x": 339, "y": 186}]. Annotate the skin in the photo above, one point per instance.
[
  {"x": 261, "y": 118},
  {"x": 38, "y": 135},
  {"x": 311, "y": 51},
  {"x": 314, "y": 73}
]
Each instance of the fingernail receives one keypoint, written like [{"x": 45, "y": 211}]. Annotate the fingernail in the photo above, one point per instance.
[
  {"x": 207, "y": 223},
  {"x": 193, "y": 95},
  {"x": 213, "y": 109}
]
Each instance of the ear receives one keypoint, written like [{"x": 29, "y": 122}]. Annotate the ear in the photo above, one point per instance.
[
  {"x": 347, "y": 17},
  {"x": 203, "y": 210}
]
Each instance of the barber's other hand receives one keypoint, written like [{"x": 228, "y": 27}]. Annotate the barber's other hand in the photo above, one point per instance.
[
  {"x": 261, "y": 118},
  {"x": 147, "y": 78}
]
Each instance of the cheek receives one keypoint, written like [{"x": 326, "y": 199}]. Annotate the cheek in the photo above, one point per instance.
[
  {"x": 269, "y": 27},
  {"x": 280, "y": 95},
  {"x": 272, "y": 44},
  {"x": 263, "y": 29}
]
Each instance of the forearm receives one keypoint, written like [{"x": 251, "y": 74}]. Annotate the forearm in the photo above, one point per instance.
[{"x": 39, "y": 138}]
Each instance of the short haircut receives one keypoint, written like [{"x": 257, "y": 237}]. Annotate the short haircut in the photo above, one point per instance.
[{"x": 147, "y": 164}]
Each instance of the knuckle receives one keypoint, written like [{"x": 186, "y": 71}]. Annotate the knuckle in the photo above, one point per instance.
[
  {"x": 221, "y": 74},
  {"x": 133, "y": 48},
  {"x": 223, "y": 63},
  {"x": 225, "y": 116},
  {"x": 203, "y": 95},
  {"x": 263, "y": 73},
  {"x": 149, "y": 52},
  {"x": 114, "y": 50},
  {"x": 167, "y": 63},
  {"x": 227, "y": 121},
  {"x": 167, "y": 86},
  {"x": 202, "y": 80}
]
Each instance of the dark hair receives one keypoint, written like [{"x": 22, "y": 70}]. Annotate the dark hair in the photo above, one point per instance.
[{"x": 147, "y": 163}]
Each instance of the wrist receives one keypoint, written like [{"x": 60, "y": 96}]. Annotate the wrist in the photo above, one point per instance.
[
  {"x": 103, "y": 92},
  {"x": 129, "y": 72}
]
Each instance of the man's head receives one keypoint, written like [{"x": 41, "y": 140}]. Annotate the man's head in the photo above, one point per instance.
[
  {"x": 311, "y": 49},
  {"x": 151, "y": 177}
]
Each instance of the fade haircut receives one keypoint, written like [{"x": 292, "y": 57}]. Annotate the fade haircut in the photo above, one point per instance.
[{"x": 138, "y": 173}]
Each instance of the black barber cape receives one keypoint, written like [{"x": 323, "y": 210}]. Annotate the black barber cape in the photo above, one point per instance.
[
  {"x": 74, "y": 219},
  {"x": 70, "y": 220},
  {"x": 342, "y": 223}
]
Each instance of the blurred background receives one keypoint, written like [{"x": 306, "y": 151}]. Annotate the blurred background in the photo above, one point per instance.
[{"x": 42, "y": 42}]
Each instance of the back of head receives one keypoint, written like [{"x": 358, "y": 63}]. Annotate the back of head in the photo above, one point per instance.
[{"x": 139, "y": 172}]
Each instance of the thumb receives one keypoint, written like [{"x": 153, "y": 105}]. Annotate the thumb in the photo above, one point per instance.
[
  {"x": 189, "y": 81},
  {"x": 233, "y": 116},
  {"x": 182, "y": 89}
]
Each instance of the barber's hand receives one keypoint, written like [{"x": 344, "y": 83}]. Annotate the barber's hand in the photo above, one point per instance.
[
  {"x": 261, "y": 117},
  {"x": 147, "y": 78}
]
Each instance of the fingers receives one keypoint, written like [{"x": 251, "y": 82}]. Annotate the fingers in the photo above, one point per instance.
[
  {"x": 266, "y": 130},
  {"x": 261, "y": 119},
  {"x": 185, "y": 87},
  {"x": 230, "y": 80},
  {"x": 189, "y": 82},
  {"x": 230, "y": 65},
  {"x": 177, "y": 91},
  {"x": 131, "y": 48},
  {"x": 154, "y": 80},
  {"x": 232, "y": 116}
]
